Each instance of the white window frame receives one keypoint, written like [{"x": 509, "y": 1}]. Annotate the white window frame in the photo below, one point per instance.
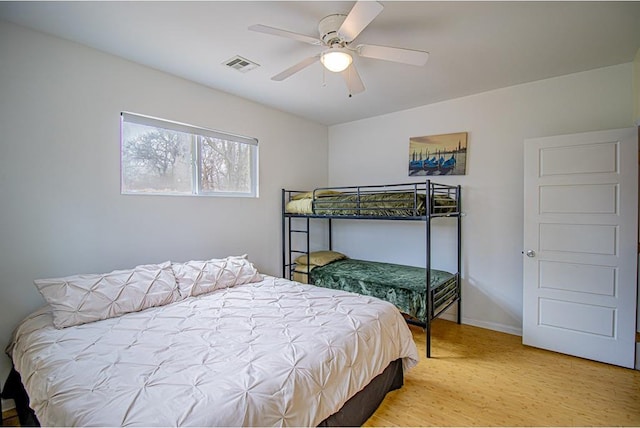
[{"x": 196, "y": 189}]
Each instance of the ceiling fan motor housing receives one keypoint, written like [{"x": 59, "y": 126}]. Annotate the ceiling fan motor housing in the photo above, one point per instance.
[{"x": 328, "y": 28}]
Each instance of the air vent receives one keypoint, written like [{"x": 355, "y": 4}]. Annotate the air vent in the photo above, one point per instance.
[{"x": 241, "y": 64}]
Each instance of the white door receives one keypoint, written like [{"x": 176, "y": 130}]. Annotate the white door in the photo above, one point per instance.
[{"x": 580, "y": 243}]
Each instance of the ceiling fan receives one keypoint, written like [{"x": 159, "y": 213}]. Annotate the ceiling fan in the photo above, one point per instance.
[{"x": 337, "y": 33}]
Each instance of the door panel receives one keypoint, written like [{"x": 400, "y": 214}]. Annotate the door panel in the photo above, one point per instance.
[
  {"x": 594, "y": 158},
  {"x": 578, "y": 238},
  {"x": 580, "y": 279},
  {"x": 580, "y": 198},
  {"x": 577, "y": 317}
]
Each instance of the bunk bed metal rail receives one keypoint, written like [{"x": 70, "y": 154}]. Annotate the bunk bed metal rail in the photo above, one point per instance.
[
  {"x": 377, "y": 202},
  {"x": 363, "y": 201}
]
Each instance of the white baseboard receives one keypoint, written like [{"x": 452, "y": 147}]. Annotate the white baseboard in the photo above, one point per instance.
[
  {"x": 7, "y": 405},
  {"x": 451, "y": 315},
  {"x": 517, "y": 331}
]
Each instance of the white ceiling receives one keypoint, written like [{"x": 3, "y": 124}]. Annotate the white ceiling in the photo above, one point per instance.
[{"x": 474, "y": 46}]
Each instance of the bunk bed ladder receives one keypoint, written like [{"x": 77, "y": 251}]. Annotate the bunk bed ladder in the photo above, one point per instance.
[
  {"x": 292, "y": 251},
  {"x": 288, "y": 230},
  {"x": 287, "y": 234}
]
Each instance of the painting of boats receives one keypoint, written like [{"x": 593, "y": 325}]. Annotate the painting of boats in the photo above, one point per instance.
[{"x": 444, "y": 154}]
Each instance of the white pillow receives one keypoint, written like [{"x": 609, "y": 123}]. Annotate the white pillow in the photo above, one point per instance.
[
  {"x": 199, "y": 277},
  {"x": 81, "y": 299}
]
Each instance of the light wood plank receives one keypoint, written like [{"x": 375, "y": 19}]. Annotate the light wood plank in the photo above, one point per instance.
[
  {"x": 479, "y": 377},
  {"x": 10, "y": 418}
]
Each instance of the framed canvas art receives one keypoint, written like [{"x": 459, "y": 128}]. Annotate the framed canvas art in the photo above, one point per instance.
[{"x": 444, "y": 154}]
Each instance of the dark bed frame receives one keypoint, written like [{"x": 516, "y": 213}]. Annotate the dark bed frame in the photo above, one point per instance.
[
  {"x": 14, "y": 390},
  {"x": 438, "y": 298}
]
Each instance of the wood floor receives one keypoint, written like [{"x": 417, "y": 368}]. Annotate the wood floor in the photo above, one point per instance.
[
  {"x": 479, "y": 377},
  {"x": 10, "y": 418}
]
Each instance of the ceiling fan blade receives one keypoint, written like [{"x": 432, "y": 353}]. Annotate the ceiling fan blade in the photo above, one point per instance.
[
  {"x": 284, "y": 33},
  {"x": 353, "y": 80},
  {"x": 405, "y": 56},
  {"x": 361, "y": 15},
  {"x": 295, "y": 68}
]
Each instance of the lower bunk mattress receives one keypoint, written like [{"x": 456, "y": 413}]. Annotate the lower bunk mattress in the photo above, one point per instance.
[{"x": 404, "y": 286}]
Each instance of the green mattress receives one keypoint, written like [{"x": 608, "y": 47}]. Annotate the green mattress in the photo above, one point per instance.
[{"x": 404, "y": 286}]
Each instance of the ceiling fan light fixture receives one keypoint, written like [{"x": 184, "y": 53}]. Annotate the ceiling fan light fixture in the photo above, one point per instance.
[{"x": 336, "y": 60}]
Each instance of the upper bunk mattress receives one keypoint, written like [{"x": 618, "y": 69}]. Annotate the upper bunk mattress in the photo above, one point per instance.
[
  {"x": 270, "y": 353},
  {"x": 389, "y": 204},
  {"x": 404, "y": 286}
]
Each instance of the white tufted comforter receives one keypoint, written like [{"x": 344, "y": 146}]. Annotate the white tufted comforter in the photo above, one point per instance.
[{"x": 270, "y": 353}]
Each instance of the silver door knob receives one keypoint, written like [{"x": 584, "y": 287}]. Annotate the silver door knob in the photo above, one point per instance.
[{"x": 530, "y": 253}]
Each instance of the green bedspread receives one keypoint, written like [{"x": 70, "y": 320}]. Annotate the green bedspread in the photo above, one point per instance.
[
  {"x": 394, "y": 204},
  {"x": 404, "y": 286}
]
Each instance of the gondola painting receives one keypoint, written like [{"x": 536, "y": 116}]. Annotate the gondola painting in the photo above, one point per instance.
[{"x": 444, "y": 154}]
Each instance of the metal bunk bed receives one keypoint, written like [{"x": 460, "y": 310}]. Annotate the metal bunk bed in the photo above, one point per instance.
[{"x": 422, "y": 201}]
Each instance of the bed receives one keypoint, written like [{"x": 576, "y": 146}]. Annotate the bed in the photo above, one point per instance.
[
  {"x": 217, "y": 348},
  {"x": 417, "y": 202}
]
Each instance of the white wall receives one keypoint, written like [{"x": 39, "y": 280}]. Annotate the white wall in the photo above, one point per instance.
[
  {"x": 62, "y": 212},
  {"x": 636, "y": 92},
  {"x": 375, "y": 151}
]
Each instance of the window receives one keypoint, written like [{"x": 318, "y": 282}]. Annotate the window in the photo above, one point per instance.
[{"x": 160, "y": 157}]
